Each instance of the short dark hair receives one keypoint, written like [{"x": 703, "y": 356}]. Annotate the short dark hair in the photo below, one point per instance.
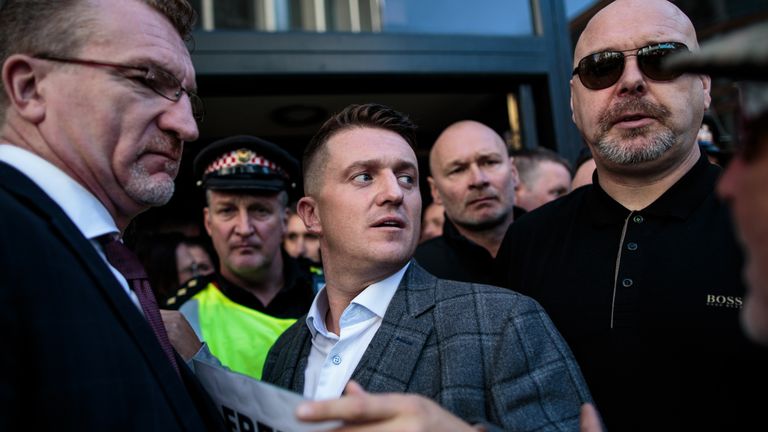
[
  {"x": 369, "y": 115},
  {"x": 63, "y": 26},
  {"x": 527, "y": 160}
]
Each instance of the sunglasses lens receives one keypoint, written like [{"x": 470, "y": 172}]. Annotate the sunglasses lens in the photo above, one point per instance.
[
  {"x": 650, "y": 60},
  {"x": 601, "y": 70}
]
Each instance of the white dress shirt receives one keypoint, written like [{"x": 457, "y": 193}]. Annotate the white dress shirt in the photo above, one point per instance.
[
  {"x": 87, "y": 213},
  {"x": 333, "y": 358}
]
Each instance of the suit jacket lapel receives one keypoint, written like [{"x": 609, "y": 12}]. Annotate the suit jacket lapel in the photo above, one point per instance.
[
  {"x": 390, "y": 359},
  {"x": 305, "y": 345},
  {"x": 127, "y": 313}
]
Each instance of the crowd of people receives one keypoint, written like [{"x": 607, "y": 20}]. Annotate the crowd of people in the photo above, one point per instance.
[{"x": 627, "y": 292}]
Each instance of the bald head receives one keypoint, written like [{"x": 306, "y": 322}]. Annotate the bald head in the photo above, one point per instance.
[
  {"x": 667, "y": 113},
  {"x": 613, "y": 21},
  {"x": 473, "y": 177},
  {"x": 465, "y": 132}
]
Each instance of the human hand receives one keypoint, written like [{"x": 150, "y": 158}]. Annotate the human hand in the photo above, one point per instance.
[
  {"x": 181, "y": 334},
  {"x": 365, "y": 412},
  {"x": 589, "y": 419}
]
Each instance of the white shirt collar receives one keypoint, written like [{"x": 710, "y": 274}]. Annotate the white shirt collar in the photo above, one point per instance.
[
  {"x": 374, "y": 298},
  {"x": 82, "y": 207}
]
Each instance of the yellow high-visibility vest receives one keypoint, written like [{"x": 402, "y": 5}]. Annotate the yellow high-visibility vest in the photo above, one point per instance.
[{"x": 238, "y": 336}]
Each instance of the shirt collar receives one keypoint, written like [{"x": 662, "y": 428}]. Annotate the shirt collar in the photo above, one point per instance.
[
  {"x": 375, "y": 298},
  {"x": 679, "y": 201},
  {"x": 82, "y": 207},
  {"x": 452, "y": 236}
]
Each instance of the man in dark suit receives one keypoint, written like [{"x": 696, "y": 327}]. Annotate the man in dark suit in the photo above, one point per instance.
[
  {"x": 98, "y": 100},
  {"x": 468, "y": 353}
]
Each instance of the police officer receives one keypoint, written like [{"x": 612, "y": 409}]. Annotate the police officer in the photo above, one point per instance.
[{"x": 258, "y": 290}]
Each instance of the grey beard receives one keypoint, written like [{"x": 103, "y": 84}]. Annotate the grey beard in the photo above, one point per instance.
[
  {"x": 615, "y": 152},
  {"x": 146, "y": 191}
]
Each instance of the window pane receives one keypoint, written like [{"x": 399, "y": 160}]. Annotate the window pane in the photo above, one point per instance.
[
  {"x": 487, "y": 17},
  {"x": 483, "y": 17}
]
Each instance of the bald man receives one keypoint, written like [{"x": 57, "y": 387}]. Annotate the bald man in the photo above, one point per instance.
[
  {"x": 641, "y": 271},
  {"x": 473, "y": 177}
]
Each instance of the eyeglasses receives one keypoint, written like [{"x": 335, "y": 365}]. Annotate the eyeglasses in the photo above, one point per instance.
[
  {"x": 157, "y": 79},
  {"x": 601, "y": 70}
]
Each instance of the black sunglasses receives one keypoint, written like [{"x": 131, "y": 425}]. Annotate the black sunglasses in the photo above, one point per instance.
[
  {"x": 601, "y": 70},
  {"x": 157, "y": 79}
]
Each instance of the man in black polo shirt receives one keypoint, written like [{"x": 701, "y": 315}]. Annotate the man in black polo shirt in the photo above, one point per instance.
[
  {"x": 473, "y": 177},
  {"x": 640, "y": 271}
]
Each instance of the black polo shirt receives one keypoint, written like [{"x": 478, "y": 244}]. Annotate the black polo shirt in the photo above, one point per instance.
[
  {"x": 455, "y": 257},
  {"x": 647, "y": 300}
]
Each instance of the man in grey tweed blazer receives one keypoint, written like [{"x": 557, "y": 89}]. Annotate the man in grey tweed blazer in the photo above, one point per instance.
[{"x": 464, "y": 354}]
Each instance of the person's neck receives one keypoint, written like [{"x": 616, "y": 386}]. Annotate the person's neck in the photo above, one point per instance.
[
  {"x": 264, "y": 283},
  {"x": 637, "y": 189},
  {"x": 490, "y": 239},
  {"x": 343, "y": 283}
]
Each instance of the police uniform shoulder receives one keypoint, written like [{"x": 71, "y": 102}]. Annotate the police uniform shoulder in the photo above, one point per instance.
[{"x": 187, "y": 291}]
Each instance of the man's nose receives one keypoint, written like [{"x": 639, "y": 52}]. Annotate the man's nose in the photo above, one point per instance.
[
  {"x": 632, "y": 80},
  {"x": 478, "y": 176},
  {"x": 244, "y": 225},
  {"x": 391, "y": 191}
]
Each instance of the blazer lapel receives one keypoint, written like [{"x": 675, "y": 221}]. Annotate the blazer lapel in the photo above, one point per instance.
[
  {"x": 127, "y": 313},
  {"x": 294, "y": 359},
  {"x": 392, "y": 355}
]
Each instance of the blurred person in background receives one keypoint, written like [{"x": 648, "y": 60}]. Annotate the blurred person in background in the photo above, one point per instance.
[
  {"x": 432, "y": 222},
  {"x": 171, "y": 259},
  {"x": 544, "y": 176},
  {"x": 298, "y": 241},
  {"x": 583, "y": 169}
]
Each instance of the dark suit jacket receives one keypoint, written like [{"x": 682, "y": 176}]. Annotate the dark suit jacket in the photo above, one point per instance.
[
  {"x": 77, "y": 353},
  {"x": 487, "y": 354}
]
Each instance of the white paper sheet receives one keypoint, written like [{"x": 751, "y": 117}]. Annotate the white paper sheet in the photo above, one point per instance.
[{"x": 249, "y": 404}]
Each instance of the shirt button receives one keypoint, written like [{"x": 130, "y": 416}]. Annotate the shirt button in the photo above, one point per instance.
[
  {"x": 336, "y": 359},
  {"x": 638, "y": 219},
  {"x": 632, "y": 246},
  {"x": 627, "y": 282}
]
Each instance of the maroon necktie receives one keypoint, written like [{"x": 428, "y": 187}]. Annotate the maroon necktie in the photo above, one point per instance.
[{"x": 126, "y": 262}]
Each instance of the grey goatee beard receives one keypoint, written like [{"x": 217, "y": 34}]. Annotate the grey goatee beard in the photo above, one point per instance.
[{"x": 617, "y": 151}]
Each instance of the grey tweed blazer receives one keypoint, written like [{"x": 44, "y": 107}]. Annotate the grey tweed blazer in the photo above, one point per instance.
[{"x": 487, "y": 354}]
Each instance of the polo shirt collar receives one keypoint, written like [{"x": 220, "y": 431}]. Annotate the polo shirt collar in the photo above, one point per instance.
[{"x": 678, "y": 202}]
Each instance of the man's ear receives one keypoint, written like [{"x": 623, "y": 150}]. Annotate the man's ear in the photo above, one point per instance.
[
  {"x": 22, "y": 76},
  {"x": 307, "y": 210},
  {"x": 570, "y": 101},
  {"x": 515, "y": 173},
  {"x": 284, "y": 219},
  {"x": 706, "y": 83},
  {"x": 433, "y": 189},
  {"x": 206, "y": 220}
]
